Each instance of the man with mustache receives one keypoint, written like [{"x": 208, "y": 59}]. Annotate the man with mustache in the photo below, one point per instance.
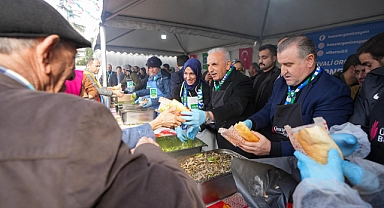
[{"x": 263, "y": 84}]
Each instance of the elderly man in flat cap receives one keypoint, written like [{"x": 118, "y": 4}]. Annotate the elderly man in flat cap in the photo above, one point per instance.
[
  {"x": 58, "y": 150},
  {"x": 158, "y": 84}
]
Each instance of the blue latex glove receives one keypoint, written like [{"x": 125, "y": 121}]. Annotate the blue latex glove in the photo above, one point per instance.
[
  {"x": 248, "y": 123},
  {"x": 139, "y": 99},
  {"x": 363, "y": 180},
  {"x": 192, "y": 132},
  {"x": 181, "y": 134},
  {"x": 311, "y": 169},
  {"x": 346, "y": 142},
  {"x": 353, "y": 172},
  {"x": 194, "y": 117},
  {"x": 148, "y": 104}
]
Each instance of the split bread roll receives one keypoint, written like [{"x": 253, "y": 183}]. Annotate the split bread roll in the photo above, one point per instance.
[
  {"x": 316, "y": 143},
  {"x": 166, "y": 104},
  {"x": 244, "y": 132},
  {"x": 179, "y": 106}
]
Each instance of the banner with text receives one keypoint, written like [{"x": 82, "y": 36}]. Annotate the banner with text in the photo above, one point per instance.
[
  {"x": 335, "y": 45},
  {"x": 205, "y": 55}
]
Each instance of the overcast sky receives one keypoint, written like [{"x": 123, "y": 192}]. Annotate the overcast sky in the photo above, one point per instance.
[{"x": 89, "y": 12}]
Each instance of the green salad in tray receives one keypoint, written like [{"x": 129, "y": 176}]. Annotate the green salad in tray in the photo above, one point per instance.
[{"x": 172, "y": 143}]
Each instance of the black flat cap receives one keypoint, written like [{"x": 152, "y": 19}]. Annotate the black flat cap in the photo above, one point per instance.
[{"x": 26, "y": 18}]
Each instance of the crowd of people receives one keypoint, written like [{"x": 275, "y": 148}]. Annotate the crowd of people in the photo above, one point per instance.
[{"x": 60, "y": 150}]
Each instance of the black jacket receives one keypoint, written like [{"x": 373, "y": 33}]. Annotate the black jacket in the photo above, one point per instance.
[
  {"x": 376, "y": 133},
  {"x": 263, "y": 87},
  {"x": 238, "y": 104},
  {"x": 176, "y": 80},
  {"x": 373, "y": 88},
  {"x": 112, "y": 81}
]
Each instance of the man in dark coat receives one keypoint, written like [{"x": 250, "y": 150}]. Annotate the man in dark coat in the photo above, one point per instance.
[
  {"x": 369, "y": 103},
  {"x": 58, "y": 150},
  {"x": 263, "y": 83},
  {"x": 231, "y": 101},
  {"x": 111, "y": 77}
]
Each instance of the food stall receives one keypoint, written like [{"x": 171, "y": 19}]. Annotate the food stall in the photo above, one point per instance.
[{"x": 210, "y": 169}]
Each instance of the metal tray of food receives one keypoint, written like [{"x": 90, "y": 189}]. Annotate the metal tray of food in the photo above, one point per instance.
[
  {"x": 175, "y": 148},
  {"x": 137, "y": 115},
  {"x": 212, "y": 185}
]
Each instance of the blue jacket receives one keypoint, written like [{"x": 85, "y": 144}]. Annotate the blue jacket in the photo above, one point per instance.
[
  {"x": 163, "y": 83},
  {"x": 325, "y": 96}
]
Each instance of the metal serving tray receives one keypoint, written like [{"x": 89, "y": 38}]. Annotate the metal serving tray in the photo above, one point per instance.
[
  {"x": 172, "y": 142},
  {"x": 220, "y": 186},
  {"x": 137, "y": 115}
]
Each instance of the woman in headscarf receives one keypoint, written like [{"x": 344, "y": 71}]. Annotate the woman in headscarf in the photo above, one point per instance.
[
  {"x": 193, "y": 92},
  {"x": 193, "y": 85}
]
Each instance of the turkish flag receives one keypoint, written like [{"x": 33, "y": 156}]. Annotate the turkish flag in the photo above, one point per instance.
[
  {"x": 192, "y": 56},
  {"x": 245, "y": 56}
]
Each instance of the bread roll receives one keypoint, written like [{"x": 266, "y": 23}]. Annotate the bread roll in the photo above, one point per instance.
[
  {"x": 244, "y": 132},
  {"x": 316, "y": 142},
  {"x": 166, "y": 104},
  {"x": 179, "y": 106}
]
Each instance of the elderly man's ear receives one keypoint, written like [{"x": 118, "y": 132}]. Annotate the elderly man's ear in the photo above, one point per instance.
[
  {"x": 45, "y": 52},
  {"x": 228, "y": 65}
]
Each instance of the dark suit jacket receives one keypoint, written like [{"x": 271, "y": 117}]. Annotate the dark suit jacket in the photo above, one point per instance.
[
  {"x": 58, "y": 150},
  {"x": 112, "y": 80},
  {"x": 238, "y": 103},
  {"x": 325, "y": 96},
  {"x": 176, "y": 80}
]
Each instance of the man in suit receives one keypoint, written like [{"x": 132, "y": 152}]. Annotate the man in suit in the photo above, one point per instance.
[
  {"x": 305, "y": 91},
  {"x": 111, "y": 77},
  {"x": 231, "y": 99},
  {"x": 119, "y": 74}
]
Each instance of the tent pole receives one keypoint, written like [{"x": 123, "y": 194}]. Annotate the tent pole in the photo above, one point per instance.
[
  {"x": 103, "y": 55},
  {"x": 264, "y": 22},
  {"x": 181, "y": 46}
]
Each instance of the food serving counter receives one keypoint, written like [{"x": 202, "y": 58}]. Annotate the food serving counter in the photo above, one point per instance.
[{"x": 210, "y": 169}]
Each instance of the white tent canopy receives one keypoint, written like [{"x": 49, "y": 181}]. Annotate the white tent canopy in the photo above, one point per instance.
[
  {"x": 120, "y": 59},
  {"x": 193, "y": 26}
]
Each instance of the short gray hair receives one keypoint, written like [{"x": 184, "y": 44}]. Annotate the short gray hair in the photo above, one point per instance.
[
  {"x": 305, "y": 46},
  {"x": 9, "y": 45},
  {"x": 222, "y": 50}
]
